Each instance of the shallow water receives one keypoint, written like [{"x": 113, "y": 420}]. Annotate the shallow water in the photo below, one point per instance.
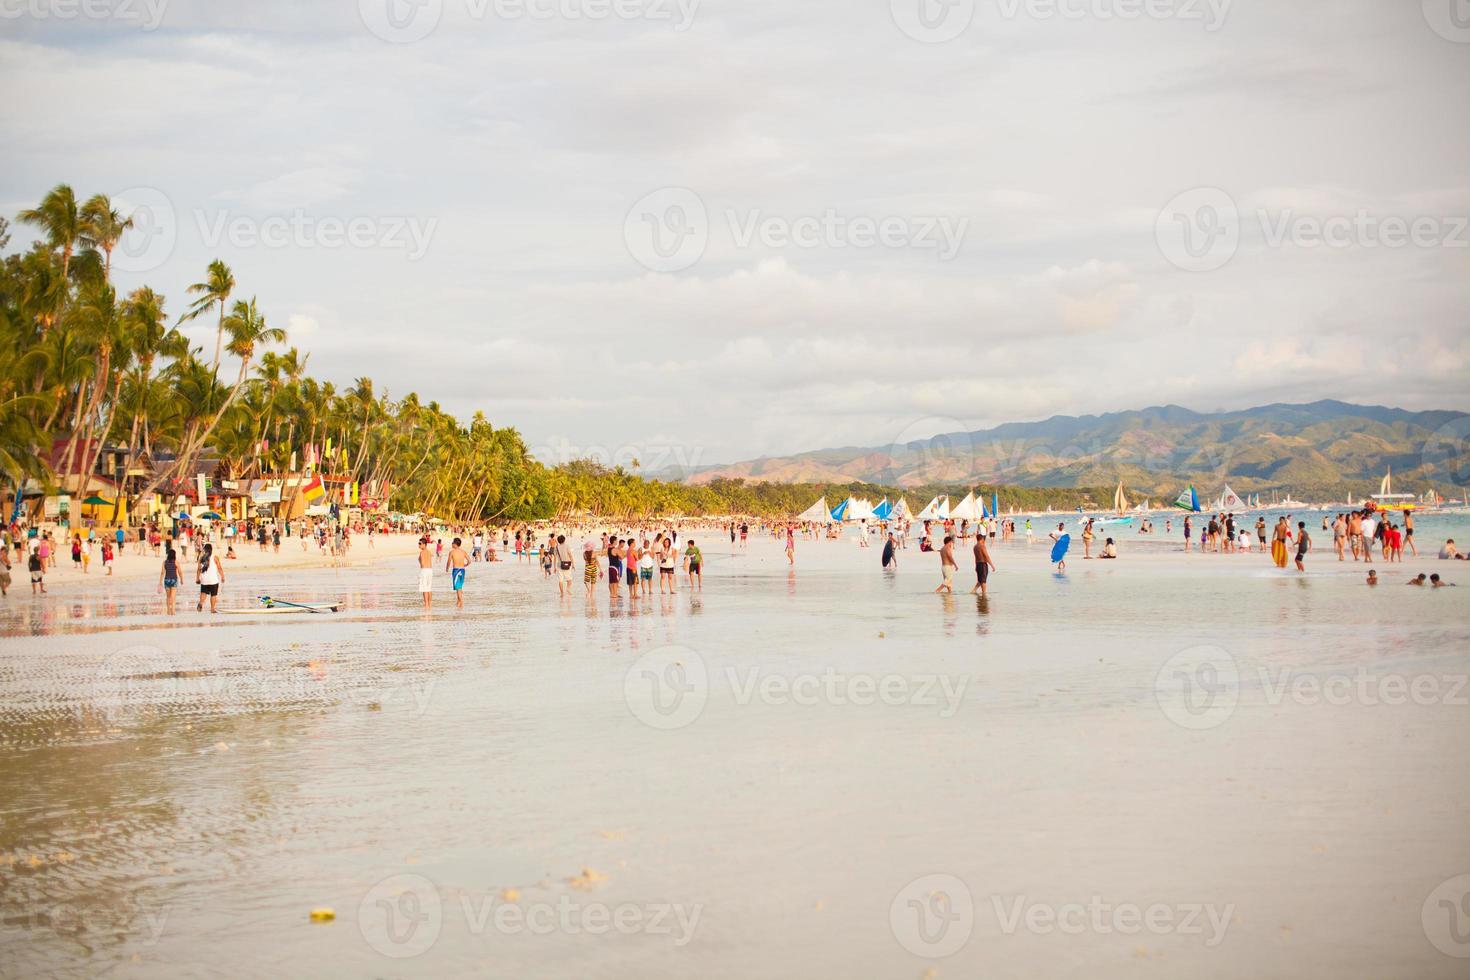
[{"x": 1132, "y": 769}]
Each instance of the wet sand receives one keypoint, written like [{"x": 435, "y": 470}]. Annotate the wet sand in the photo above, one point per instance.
[{"x": 1170, "y": 765}]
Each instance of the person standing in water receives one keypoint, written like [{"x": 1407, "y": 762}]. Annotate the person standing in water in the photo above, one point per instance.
[
  {"x": 983, "y": 564},
  {"x": 457, "y": 565},
  {"x": 790, "y": 545},
  {"x": 210, "y": 576},
  {"x": 426, "y": 573},
  {"x": 1409, "y": 532},
  {"x": 694, "y": 563},
  {"x": 890, "y": 555},
  {"x": 168, "y": 580},
  {"x": 947, "y": 566},
  {"x": 1303, "y": 545}
]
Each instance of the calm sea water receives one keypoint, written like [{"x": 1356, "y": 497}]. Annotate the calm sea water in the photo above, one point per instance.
[{"x": 1166, "y": 766}]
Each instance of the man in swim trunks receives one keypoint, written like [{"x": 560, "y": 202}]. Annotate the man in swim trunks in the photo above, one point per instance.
[
  {"x": 694, "y": 561},
  {"x": 947, "y": 566},
  {"x": 983, "y": 564},
  {"x": 457, "y": 566},
  {"x": 426, "y": 573},
  {"x": 1303, "y": 545}
]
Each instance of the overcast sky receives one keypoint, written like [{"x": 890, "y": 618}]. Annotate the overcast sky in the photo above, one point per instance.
[{"x": 705, "y": 231}]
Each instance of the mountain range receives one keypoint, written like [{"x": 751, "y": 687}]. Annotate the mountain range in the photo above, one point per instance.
[{"x": 1324, "y": 447}]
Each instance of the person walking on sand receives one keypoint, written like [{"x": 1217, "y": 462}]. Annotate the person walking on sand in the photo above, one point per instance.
[
  {"x": 209, "y": 576},
  {"x": 458, "y": 566},
  {"x": 694, "y": 563},
  {"x": 947, "y": 566},
  {"x": 564, "y": 562},
  {"x": 426, "y": 573},
  {"x": 36, "y": 565},
  {"x": 983, "y": 564},
  {"x": 790, "y": 546},
  {"x": 1303, "y": 545},
  {"x": 168, "y": 580},
  {"x": 4, "y": 570}
]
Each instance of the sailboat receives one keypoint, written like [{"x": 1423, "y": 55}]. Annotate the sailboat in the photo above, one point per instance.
[
  {"x": 1188, "y": 500},
  {"x": 1120, "y": 500},
  {"x": 966, "y": 510},
  {"x": 1386, "y": 499},
  {"x": 1229, "y": 501}
]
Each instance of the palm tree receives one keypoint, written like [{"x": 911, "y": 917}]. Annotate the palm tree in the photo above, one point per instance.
[
  {"x": 218, "y": 284},
  {"x": 102, "y": 228},
  {"x": 60, "y": 220}
]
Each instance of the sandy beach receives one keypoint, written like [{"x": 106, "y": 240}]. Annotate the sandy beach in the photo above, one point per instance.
[{"x": 1138, "y": 767}]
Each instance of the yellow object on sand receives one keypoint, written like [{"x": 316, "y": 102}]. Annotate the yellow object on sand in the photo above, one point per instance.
[{"x": 322, "y": 915}]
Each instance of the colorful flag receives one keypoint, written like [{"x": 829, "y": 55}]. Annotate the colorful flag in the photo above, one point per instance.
[{"x": 313, "y": 491}]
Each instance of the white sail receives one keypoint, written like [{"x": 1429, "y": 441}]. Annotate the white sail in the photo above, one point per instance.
[
  {"x": 901, "y": 510},
  {"x": 1229, "y": 500},
  {"x": 860, "y": 510},
  {"x": 1120, "y": 500},
  {"x": 966, "y": 510},
  {"x": 816, "y": 512}
]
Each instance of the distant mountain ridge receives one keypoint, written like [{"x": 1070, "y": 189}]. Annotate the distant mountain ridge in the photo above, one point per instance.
[{"x": 1321, "y": 447}]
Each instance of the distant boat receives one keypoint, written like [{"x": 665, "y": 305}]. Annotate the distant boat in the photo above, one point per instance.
[
  {"x": 1386, "y": 499},
  {"x": 1120, "y": 500},
  {"x": 1229, "y": 500},
  {"x": 1188, "y": 500}
]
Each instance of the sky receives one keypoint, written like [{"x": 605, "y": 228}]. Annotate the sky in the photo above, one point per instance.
[{"x": 697, "y": 231}]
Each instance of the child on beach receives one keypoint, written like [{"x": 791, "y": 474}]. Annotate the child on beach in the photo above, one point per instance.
[
  {"x": 591, "y": 571},
  {"x": 168, "y": 580}
]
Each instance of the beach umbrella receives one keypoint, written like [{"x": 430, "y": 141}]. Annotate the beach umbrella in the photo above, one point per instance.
[
  {"x": 183, "y": 515},
  {"x": 210, "y": 515},
  {"x": 96, "y": 501}
]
